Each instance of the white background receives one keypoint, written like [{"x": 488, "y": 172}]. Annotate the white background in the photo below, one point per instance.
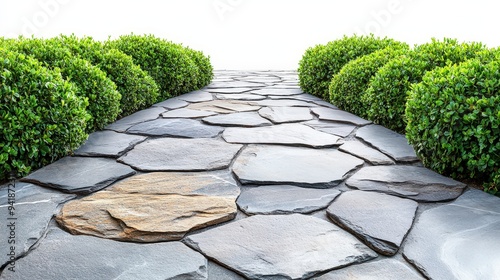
[{"x": 254, "y": 34}]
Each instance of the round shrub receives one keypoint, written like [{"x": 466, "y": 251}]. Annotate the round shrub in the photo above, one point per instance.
[
  {"x": 349, "y": 85},
  {"x": 388, "y": 89},
  {"x": 320, "y": 63},
  {"x": 41, "y": 117},
  {"x": 454, "y": 120},
  {"x": 205, "y": 69}
]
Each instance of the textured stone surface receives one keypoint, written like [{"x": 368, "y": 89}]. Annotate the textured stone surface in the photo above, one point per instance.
[
  {"x": 340, "y": 129},
  {"x": 33, "y": 209},
  {"x": 79, "y": 174},
  {"x": 176, "y": 127},
  {"x": 286, "y": 114},
  {"x": 242, "y": 96},
  {"x": 381, "y": 221},
  {"x": 283, "y": 103},
  {"x": 388, "y": 142},
  {"x": 153, "y": 207},
  {"x": 284, "y": 200},
  {"x": 145, "y": 115},
  {"x": 172, "y": 103},
  {"x": 108, "y": 144},
  {"x": 235, "y": 84},
  {"x": 245, "y": 119},
  {"x": 225, "y": 106},
  {"x": 458, "y": 240},
  {"x": 417, "y": 183},
  {"x": 187, "y": 113},
  {"x": 216, "y": 271},
  {"x": 181, "y": 155},
  {"x": 289, "y": 134},
  {"x": 371, "y": 155},
  {"x": 230, "y": 91},
  {"x": 280, "y": 247},
  {"x": 64, "y": 256},
  {"x": 328, "y": 114},
  {"x": 277, "y": 91},
  {"x": 377, "y": 270},
  {"x": 291, "y": 165},
  {"x": 196, "y": 96}
]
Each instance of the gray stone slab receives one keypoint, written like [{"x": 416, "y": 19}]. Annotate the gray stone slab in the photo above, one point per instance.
[
  {"x": 306, "y": 167},
  {"x": 108, "y": 144},
  {"x": 376, "y": 270},
  {"x": 176, "y": 127},
  {"x": 381, "y": 221},
  {"x": 270, "y": 200},
  {"x": 369, "y": 154},
  {"x": 168, "y": 154},
  {"x": 218, "y": 272},
  {"x": 196, "y": 96},
  {"x": 80, "y": 175},
  {"x": 64, "y": 256},
  {"x": 259, "y": 79},
  {"x": 242, "y": 96},
  {"x": 277, "y": 91},
  {"x": 280, "y": 247},
  {"x": 329, "y": 114},
  {"x": 340, "y": 129},
  {"x": 286, "y": 114},
  {"x": 145, "y": 115},
  {"x": 34, "y": 207},
  {"x": 417, "y": 183},
  {"x": 284, "y": 86},
  {"x": 245, "y": 119},
  {"x": 235, "y": 84},
  {"x": 187, "y": 113},
  {"x": 388, "y": 142},
  {"x": 225, "y": 106},
  {"x": 172, "y": 103},
  {"x": 283, "y": 103},
  {"x": 230, "y": 91},
  {"x": 458, "y": 240},
  {"x": 285, "y": 134}
]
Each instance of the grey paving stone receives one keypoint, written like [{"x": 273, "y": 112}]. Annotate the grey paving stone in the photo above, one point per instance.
[
  {"x": 277, "y": 91},
  {"x": 225, "y": 106},
  {"x": 230, "y": 91},
  {"x": 218, "y": 272},
  {"x": 145, "y": 115},
  {"x": 280, "y": 247},
  {"x": 235, "y": 84},
  {"x": 458, "y": 240},
  {"x": 340, "y": 129},
  {"x": 286, "y": 114},
  {"x": 245, "y": 119},
  {"x": 284, "y": 86},
  {"x": 260, "y": 79},
  {"x": 361, "y": 150},
  {"x": 283, "y": 103},
  {"x": 65, "y": 256},
  {"x": 80, "y": 175},
  {"x": 269, "y": 200},
  {"x": 196, "y": 96},
  {"x": 242, "y": 96},
  {"x": 176, "y": 127},
  {"x": 305, "y": 97},
  {"x": 329, "y": 114},
  {"x": 306, "y": 167},
  {"x": 33, "y": 209},
  {"x": 108, "y": 144},
  {"x": 285, "y": 134},
  {"x": 388, "y": 142},
  {"x": 187, "y": 113},
  {"x": 168, "y": 154},
  {"x": 381, "y": 221},
  {"x": 417, "y": 183},
  {"x": 172, "y": 103}
]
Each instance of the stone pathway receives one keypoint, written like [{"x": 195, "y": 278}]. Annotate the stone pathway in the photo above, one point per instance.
[{"x": 248, "y": 178}]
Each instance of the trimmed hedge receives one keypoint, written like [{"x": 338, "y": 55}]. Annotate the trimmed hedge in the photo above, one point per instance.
[
  {"x": 454, "y": 121},
  {"x": 41, "y": 118},
  {"x": 205, "y": 69},
  {"x": 389, "y": 87},
  {"x": 320, "y": 63},
  {"x": 348, "y": 87}
]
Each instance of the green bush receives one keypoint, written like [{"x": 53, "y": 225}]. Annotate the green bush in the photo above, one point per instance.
[
  {"x": 320, "y": 63},
  {"x": 41, "y": 118},
  {"x": 349, "y": 85},
  {"x": 454, "y": 121},
  {"x": 205, "y": 69},
  {"x": 389, "y": 87}
]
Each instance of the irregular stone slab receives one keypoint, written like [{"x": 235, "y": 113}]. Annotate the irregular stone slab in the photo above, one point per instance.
[
  {"x": 388, "y": 142},
  {"x": 340, "y": 129},
  {"x": 286, "y": 114},
  {"x": 108, "y": 144},
  {"x": 187, "y": 113},
  {"x": 215, "y": 271},
  {"x": 328, "y": 114},
  {"x": 383, "y": 269},
  {"x": 172, "y": 103},
  {"x": 260, "y": 79},
  {"x": 176, "y": 127},
  {"x": 225, "y": 106},
  {"x": 240, "y": 97},
  {"x": 282, "y": 103},
  {"x": 154, "y": 207},
  {"x": 280, "y": 247},
  {"x": 417, "y": 183},
  {"x": 381, "y": 221},
  {"x": 34, "y": 208},
  {"x": 235, "y": 84},
  {"x": 269, "y": 200},
  {"x": 80, "y": 175},
  {"x": 90, "y": 258},
  {"x": 229, "y": 90},
  {"x": 245, "y": 119},
  {"x": 284, "y": 86},
  {"x": 458, "y": 240},
  {"x": 291, "y": 165},
  {"x": 196, "y": 96},
  {"x": 277, "y": 91},
  {"x": 287, "y": 134},
  {"x": 360, "y": 150},
  {"x": 145, "y": 115},
  {"x": 181, "y": 155}
]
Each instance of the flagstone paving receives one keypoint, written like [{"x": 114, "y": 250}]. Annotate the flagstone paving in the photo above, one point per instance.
[{"x": 247, "y": 178}]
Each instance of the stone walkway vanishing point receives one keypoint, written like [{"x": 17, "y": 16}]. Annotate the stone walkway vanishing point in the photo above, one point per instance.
[{"x": 247, "y": 178}]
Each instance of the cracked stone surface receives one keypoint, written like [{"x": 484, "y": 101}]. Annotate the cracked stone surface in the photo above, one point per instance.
[
  {"x": 319, "y": 247},
  {"x": 245, "y": 119},
  {"x": 176, "y": 127},
  {"x": 196, "y": 96},
  {"x": 282, "y": 103},
  {"x": 172, "y": 103},
  {"x": 361, "y": 150},
  {"x": 145, "y": 115},
  {"x": 229, "y": 90},
  {"x": 240, "y": 97},
  {"x": 388, "y": 142},
  {"x": 286, "y": 114},
  {"x": 339, "y": 129},
  {"x": 383, "y": 269},
  {"x": 328, "y": 114},
  {"x": 108, "y": 144},
  {"x": 277, "y": 91},
  {"x": 187, "y": 113},
  {"x": 225, "y": 106}
]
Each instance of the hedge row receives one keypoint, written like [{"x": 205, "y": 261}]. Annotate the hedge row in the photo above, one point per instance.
[{"x": 55, "y": 91}]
